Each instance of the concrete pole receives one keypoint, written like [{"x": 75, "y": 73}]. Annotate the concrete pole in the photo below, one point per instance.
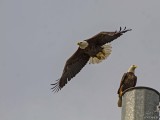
[{"x": 140, "y": 103}]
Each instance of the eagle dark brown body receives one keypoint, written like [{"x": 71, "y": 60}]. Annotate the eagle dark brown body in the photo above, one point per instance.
[{"x": 129, "y": 80}]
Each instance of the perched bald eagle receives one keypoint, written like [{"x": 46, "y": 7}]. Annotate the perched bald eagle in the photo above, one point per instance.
[
  {"x": 93, "y": 50},
  {"x": 128, "y": 80}
]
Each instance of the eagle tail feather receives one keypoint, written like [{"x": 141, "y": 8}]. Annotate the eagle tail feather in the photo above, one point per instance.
[
  {"x": 106, "y": 51},
  {"x": 120, "y": 102}
]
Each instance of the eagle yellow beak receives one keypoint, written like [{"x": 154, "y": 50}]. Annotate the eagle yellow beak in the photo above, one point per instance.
[
  {"x": 78, "y": 43},
  {"x": 135, "y": 66}
]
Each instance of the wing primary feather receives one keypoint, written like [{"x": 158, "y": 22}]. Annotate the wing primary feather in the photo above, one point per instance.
[
  {"x": 56, "y": 86},
  {"x": 120, "y": 29},
  {"x": 54, "y": 89},
  {"x": 124, "y": 30},
  {"x": 107, "y": 37}
]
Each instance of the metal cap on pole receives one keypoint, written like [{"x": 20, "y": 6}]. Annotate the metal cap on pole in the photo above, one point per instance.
[{"x": 140, "y": 103}]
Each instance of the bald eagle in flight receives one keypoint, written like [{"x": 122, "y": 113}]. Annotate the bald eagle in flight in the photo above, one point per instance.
[
  {"x": 94, "y": 50},
  {"x": 128, "y": 80}
]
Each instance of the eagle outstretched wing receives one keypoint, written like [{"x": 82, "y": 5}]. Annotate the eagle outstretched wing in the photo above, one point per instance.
[
  {"x": 107, "y": 37},
  {"x": 73, "y": 66}
]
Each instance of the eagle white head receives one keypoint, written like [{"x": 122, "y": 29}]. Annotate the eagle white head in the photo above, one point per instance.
[
  {"x": 132, "y": 68},
  {"x": 83, "y": 44}
]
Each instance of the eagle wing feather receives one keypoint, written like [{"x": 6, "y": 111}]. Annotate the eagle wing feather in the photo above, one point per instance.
[
  {"x": 106, "y": 37},
  {"x": 73, "y": 66},
  {"x": 135, "y": 81},
  {"x": 122, "y": 82}
]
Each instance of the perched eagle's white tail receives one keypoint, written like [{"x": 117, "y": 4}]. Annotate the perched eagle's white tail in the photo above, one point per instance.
[{"x": 106, "y": 51}]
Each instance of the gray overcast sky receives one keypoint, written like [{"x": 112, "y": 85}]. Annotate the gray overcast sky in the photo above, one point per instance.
[{"x": 38, "y": 36}]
